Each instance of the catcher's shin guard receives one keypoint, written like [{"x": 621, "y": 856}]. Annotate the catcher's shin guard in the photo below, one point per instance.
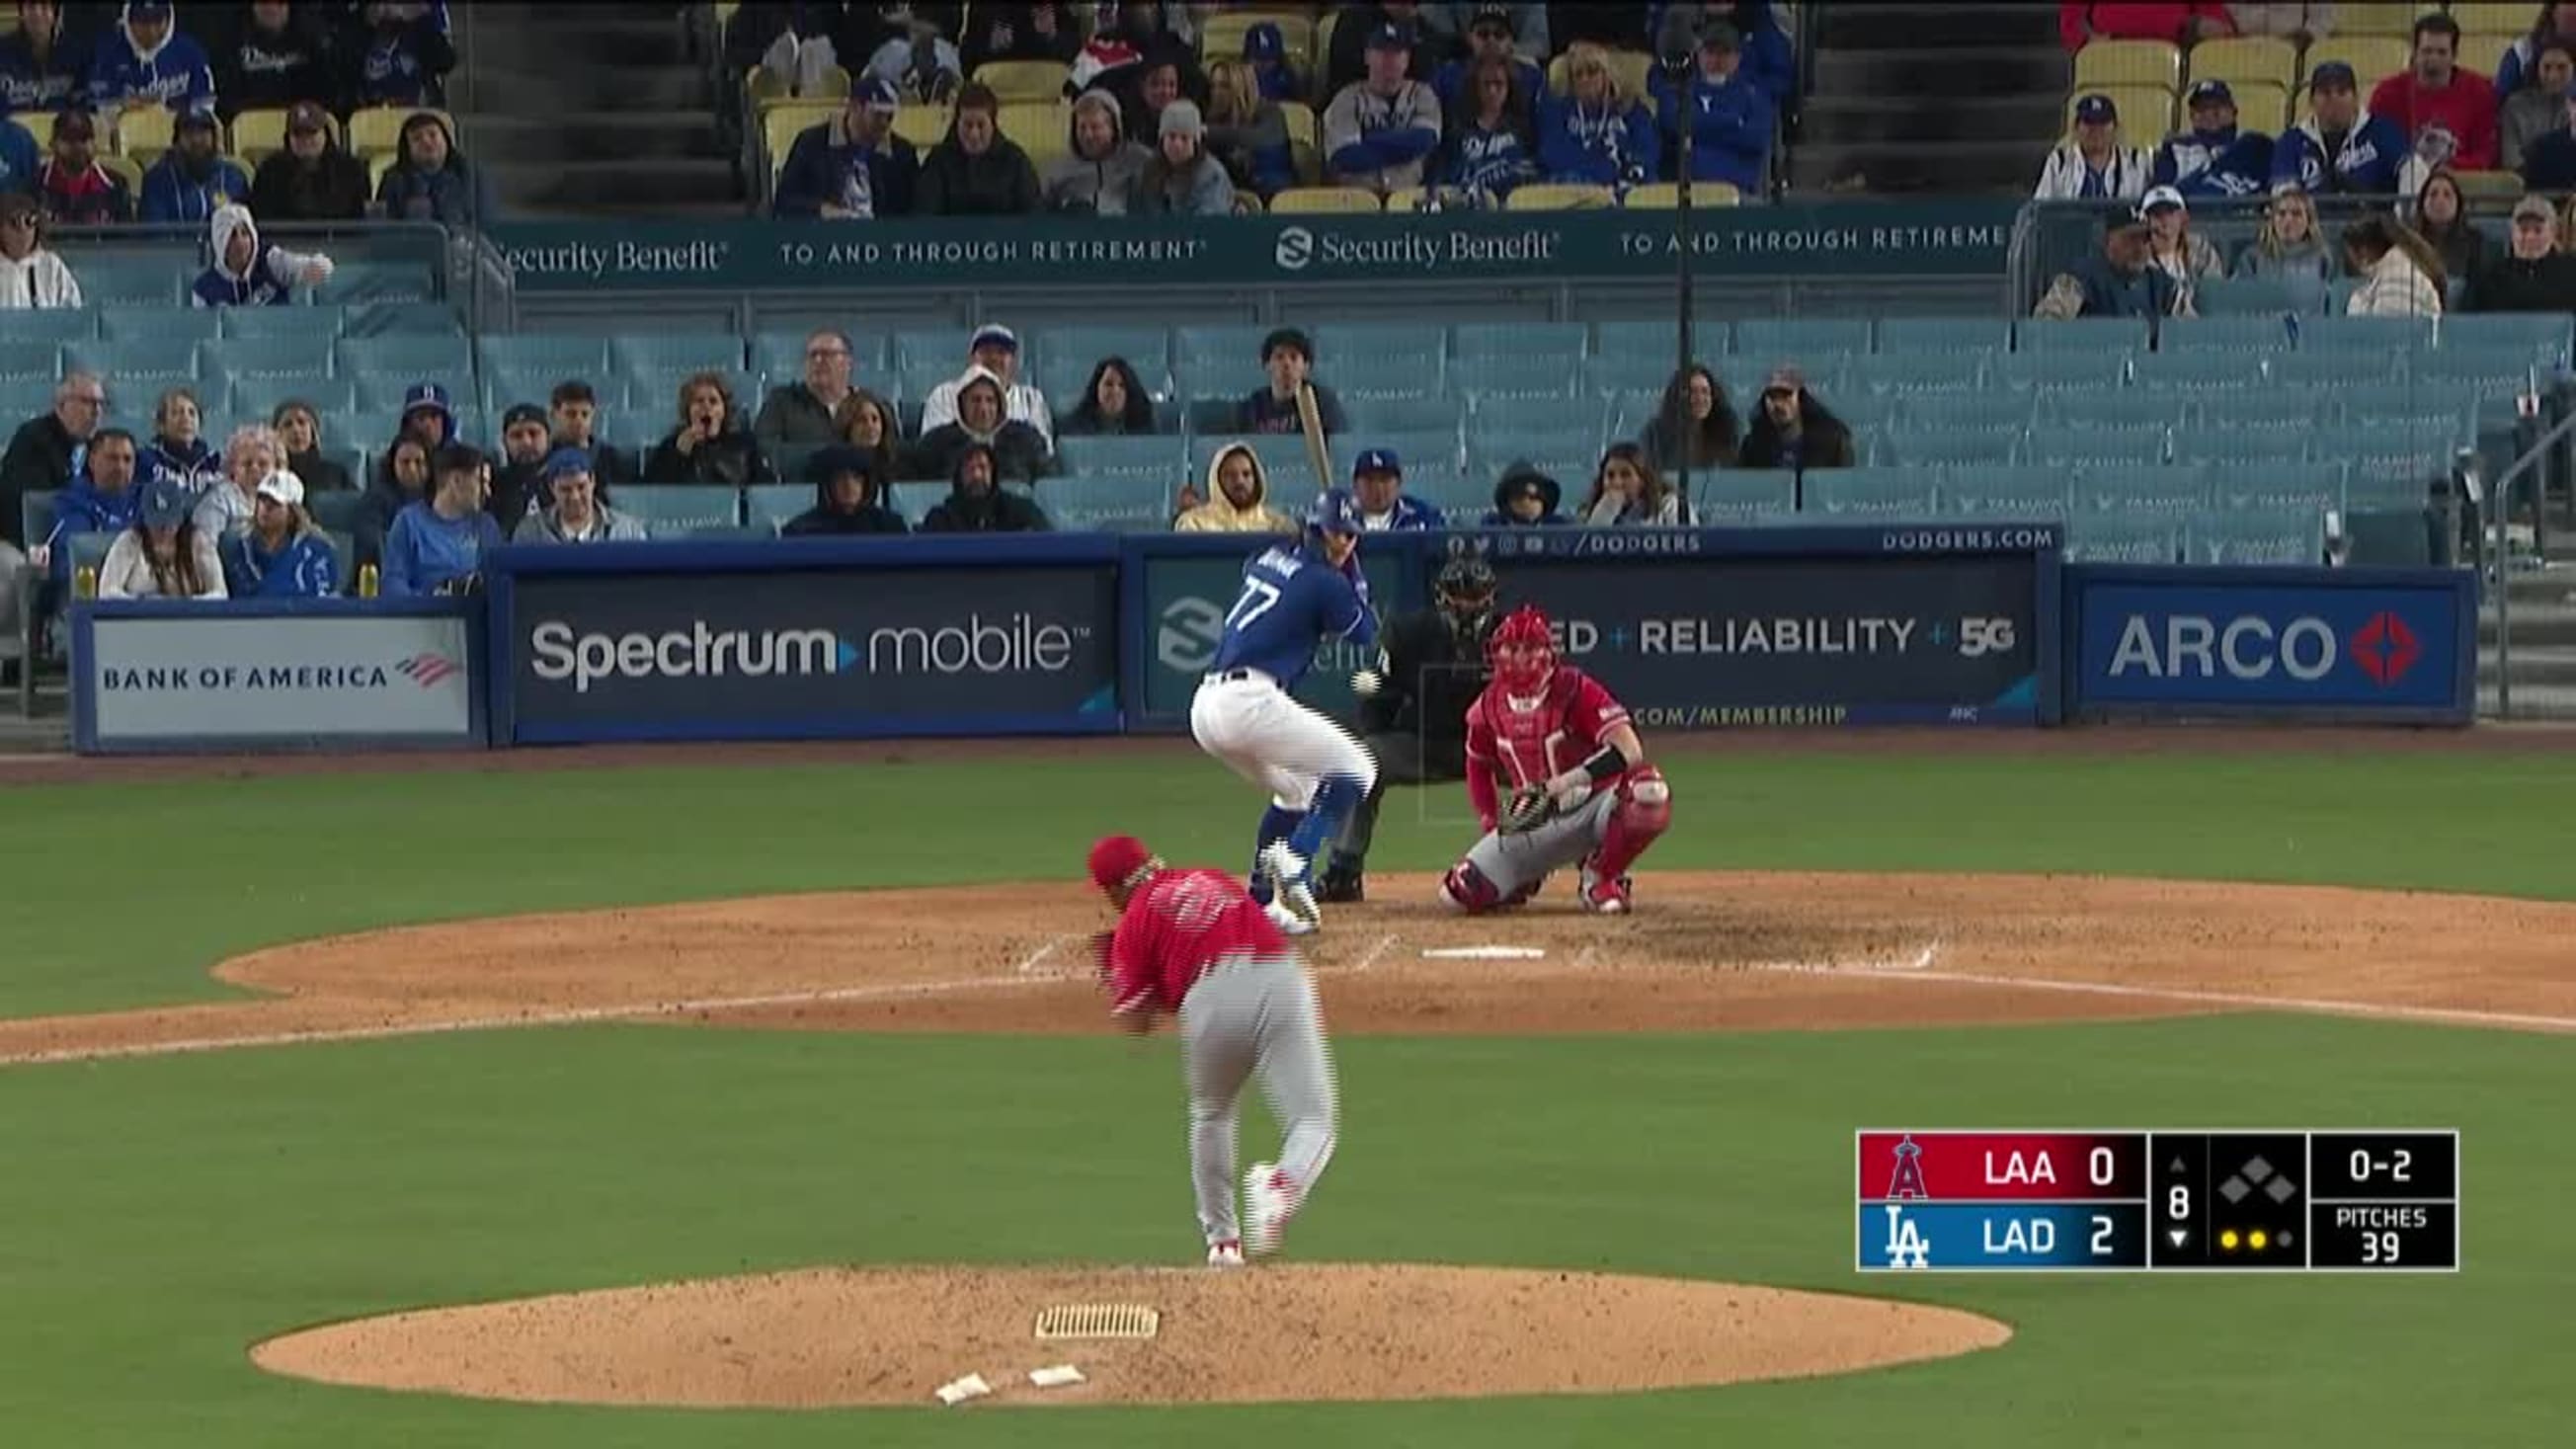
[
  {"x": 1465, "y": 889},
  {"x": 1645, "y": 810}
]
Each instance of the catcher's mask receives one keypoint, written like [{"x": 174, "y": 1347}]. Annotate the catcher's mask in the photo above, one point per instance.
[
  {"x": 1522, "y": 651},
  {"x": 1465, "y": 588}
]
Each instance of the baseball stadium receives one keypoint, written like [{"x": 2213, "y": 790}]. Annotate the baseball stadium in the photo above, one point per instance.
[{"x": 1421, "y": 724}]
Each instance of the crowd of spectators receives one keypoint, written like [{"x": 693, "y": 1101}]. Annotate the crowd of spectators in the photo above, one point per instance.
[{"x": 1456, "y": 97}]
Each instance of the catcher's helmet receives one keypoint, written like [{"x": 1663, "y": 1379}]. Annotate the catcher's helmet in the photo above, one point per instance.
[
  {"x": 1334, "y": 511},
  {"x": 1522, "y": 650}
]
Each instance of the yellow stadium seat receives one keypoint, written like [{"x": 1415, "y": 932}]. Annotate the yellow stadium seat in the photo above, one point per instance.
[
  {"x": 780, "y": 124},
  {"x": 1405, "y": 198},
  {"x": 127, "y": 171},
  {"x": 1305, "y": 141},
  {"x": 258, "y": 135},
  {"x": 2146, "y": 112},
  {"x": 2483, "y": 53},
  {"x": 144, "y": 133},
  {"x": 1666, "y": 196},
  {"x": 1325, "y": 29},
  {"x": 2380, "y": 17},
  {"x": 2262, "y": 105},
  {"x": 1550, "y": 196},
  {"x": 1221, "y": 35},
  {"x": 1310, "y": 199},
  {"x": 1024, "y": 80},
  {"x": 924, "y": 124},
  {"x": 2506, "y": 185},
  {"x": 382, "y": 162},
  {"x": 2251, "y": 58},
  {"x": 2128, "y": 63},
  {"x": 39, "y": 124},
  {"x": 379, "y": 128},
  {"x": 1040, "y": 127},
  {"x": 762, "y": 87},
  {"x": 2508, "y": 18},
  {"x": 2373, "y": 58}
]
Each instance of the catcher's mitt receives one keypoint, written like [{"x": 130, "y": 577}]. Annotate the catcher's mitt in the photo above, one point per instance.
[{"x": 1529, "y": 808}]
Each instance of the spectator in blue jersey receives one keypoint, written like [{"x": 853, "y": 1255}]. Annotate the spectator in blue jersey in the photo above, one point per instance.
[
  {"x": 2095, "y": 166},
  {"x": 431, "y": 180},
  {"x": 2339, "y": 148},
  {"x": 1247, "y": 132},
  {"x": 44, "y": 65},
  {"x": 1490, "y": 146},
  {"x": 1265, "y": 51},
  {"x": 1288, "y": 356},
  {"x": 192, "y": 180},
  {"x": 1730, "y": 117},
  {"x": 2215, "y": 157},
  {"x": 250, "y": 271},
  {"x": 1489, "y": 33},
  {"x": 20, "y": 157},
  {"x": 2537, "y": 109},
  {"x": 1380, "y": 130},
  {"x": 1596, "y": 134},
  {"x": 178, "y": 451},
  {"x": 400, "y": 53},
  {"x": 852, "y": 167},
  {"x": 1525, "y": 497},
  {"x": 976, "y": 503},
  {"x": 437, "y": 545},
  {"x": 284, "y": 554},
  {"x": 2555, "y": 25},
  {"x": 1454, "y": 22},
  {"x": 148, "y": 62},
  {"x": 1377, "y": 484},
  {"x": 1366, "y": 27},
  {"x": 103, "y": 498},
  {"x": 1770, "y": 57},
  {"x": 280, "y": 55}
]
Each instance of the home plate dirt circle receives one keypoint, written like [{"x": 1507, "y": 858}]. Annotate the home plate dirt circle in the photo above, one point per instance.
[{"x": 840, "y": 1337}]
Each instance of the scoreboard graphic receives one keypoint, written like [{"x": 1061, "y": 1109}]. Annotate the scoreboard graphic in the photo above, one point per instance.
[{"x": 2229, "y": 1201}]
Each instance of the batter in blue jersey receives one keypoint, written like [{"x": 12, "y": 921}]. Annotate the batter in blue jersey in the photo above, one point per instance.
[{"x": 1292, "y": 600}]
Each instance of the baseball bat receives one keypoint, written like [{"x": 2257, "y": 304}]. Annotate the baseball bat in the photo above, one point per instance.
[{"x": 1310, "y": 421}]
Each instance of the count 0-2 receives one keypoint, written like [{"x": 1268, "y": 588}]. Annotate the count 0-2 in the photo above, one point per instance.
[{"x": 2398, "y": 1166}]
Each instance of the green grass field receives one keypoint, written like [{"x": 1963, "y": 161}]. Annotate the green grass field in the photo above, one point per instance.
[{"x": 157, "y": 1216}]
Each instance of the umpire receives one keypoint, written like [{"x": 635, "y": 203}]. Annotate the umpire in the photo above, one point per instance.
[{"x": 1413, "y": 709}]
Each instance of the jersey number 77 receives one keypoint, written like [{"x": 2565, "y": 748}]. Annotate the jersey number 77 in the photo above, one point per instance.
[{"x": 1258, "y": 598}]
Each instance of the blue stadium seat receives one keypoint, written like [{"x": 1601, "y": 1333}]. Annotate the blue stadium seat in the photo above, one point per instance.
[
  {"x": 2060, "y": 371},
  {"x": 1622, "y": 372},
  {"x": 1943, "y": 334},
  {"x": 2120, "y": 410},
  {"x": 1564, "y": 343},
  {"x": 638, "y": 353},
  {"x": 401, "y": 319},
  {"x": 159, "y": 324},
  {"x": 2004, "y": 493},
  {"x": 559, "y": 355},
  {"x": 1507, "y": 380},
  {"x": 1625, "y": 415},
  {"x": 1772, "y": 340},
  {"x": 265, "y": 357},
  {"x": 22, "y": 359},
  {"x": 1378, "y": 375},
  {"x": 422, "y": 356},
  {"x": 368, "y": 281},
  {"x": 2542, "y": 336},
  {"x": 2086, "y": 334},
  {"x": 2273, "y": 409},
  {"x": 2234, "y": 334},
  {"x": 1374, "y": 416},
  {"x": 140, "y": 281},
  {"x": 2123, "y": 538},
  {"x": 2292, "y": 536},
  {"x": 320, "y": 322},
  {"x": 2260, "y": 296},
  {"x": 1657, "y": 338},
  {"x": 2315, "y": 486},
  {"x": 674, "y": 511},
  {"x": 58, "y": 324},
  {"x": 771, "y": 505},
  {"x": 1873, "y": 493},
  {"x": 1147, "y": 349},
  {"x": 1912, "y": 373},
  {"x": 325, "y": 395},
  {"x": 1733, "y": 497},
  {"x": 1108, "y": 504},
  {"x": 1461, "y": 495},
  {"x": 1993, "y": 410},
  {"x": 2210, "y": 370},
  {"x": 2484, "y": 372},
  {"x": 1935, "y": 446},
  {"x": 2377, "y": 336},
  {"x": 1223, "y": 344},
  {"x": 915, "y": 346},
  {"x": 1339, "y": 344},
  {"x": 2241, "y": 448},
  {"x": 2329, "y": 370},
  {"x": 1416, "y": 448},
  {"x": 125, "y": 363},
  {"x": 1157, "y": 459},
  {"x": 2074, "y": 446},
  {"x": 2176, "y": 491}
]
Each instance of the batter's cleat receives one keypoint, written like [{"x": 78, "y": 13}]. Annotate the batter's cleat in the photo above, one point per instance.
[
  {"x": 1288, "y": 884},
  {"x": 1341, "y": 886},
  {"x": 1288, "y": 921},
  {"x": 1269, "y": 1197},
  {"x": 1227, "y": 1254}
]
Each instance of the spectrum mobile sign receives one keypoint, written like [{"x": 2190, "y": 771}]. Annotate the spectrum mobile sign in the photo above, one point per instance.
[{"x": 2325, "y": 643}]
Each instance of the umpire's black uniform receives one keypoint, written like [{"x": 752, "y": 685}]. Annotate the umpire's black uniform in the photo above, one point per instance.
[{"x": 1416, "y": 725}]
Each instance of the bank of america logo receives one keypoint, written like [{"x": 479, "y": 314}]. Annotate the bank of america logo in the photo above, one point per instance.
[{"x": 429, "y": 670}]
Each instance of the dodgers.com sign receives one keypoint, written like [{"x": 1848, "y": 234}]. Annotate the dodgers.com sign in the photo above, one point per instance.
[{"x": 2290, "y": 642}]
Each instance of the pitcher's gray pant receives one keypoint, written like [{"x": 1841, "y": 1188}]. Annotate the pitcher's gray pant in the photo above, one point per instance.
[{"x": 1260, "y": 1018}]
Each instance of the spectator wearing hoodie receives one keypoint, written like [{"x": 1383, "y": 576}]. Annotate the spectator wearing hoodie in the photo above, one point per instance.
[
  {"x": 148, "y": 62},
  {"x": 176, "y": 451},
  {"x": 1381, "y": 129},
  {"x": 192, "y": 181},
  {"x": 1489, "y": 146},
  {"x": 1100, "y": 166},
  {"x": 431, "y": 180},
  {"x": 103, "y": 498},
  {"x": 225, "y": 506},
  {"x": 1288, "y": 357},
  {"x": 283, "y": 554},
  {"x": 1115, "y": 403},
  {"x": 2533, "y": 275},
  {"x": 427, "y": 416},
  {"x": 71, "y": 186},
  {"x": 1628, "y": 491},
  {"x": 2291, "y": 248},
  {"x": 2336, "y": 149},
  {"x": 313, "y": 179},
  {"x": 1366, "y": 27},
  {"x": 574, "y": 512},
  {"x": 401, "y": 479},
  {"x": 44, "y": 64},
  {"x": 2539, "y": 107},
  {"x": 852, "y": 167},
  {"x": 1489, "y": 33},
  {"x": 1377, "y": 486},
  {"x": 400, "y": 52},
  {"x": 1274, "y": 75},
  {"x": 2442, "y": 218},
  {"x": 1238, "y": 498},
  {"x": 1020, "y": 453},
  {"x": 31, "y": 275},
  {"x": 438, "y": 545},
  {"x": 573, "y": 410},
  {"x": 2094, "y": 166},
  {"x": 976, "y": 170},
  {"x": 996, "y": 349},
  {"x": 2214, "y": 157},
  {"x": 20, "y": 157},
  {"x": 250, "y": 271},
  {"x": 2447, "y": 114},
  {"x": 709, "y": 446},
  {"x": 2555, "y": 25},
  {"x": 1793, "y": 430},
  {"x": 848, "y": 498},
  {"x": 1524, "y": 497},
  {"x": 275, "y": 59},
  {"x": 797, "y": 416},
  {"x": 519, "y": 484},
  {"x": 1597, "y": 134},
  {"x": 1183, "y": 179},
  {"x": 299, "y": 436},
  {"x": 977, "y": 504},
  {"x": 1247, "y": 132},
  {"x": 1731, "y": 117},
  {"x": 163, "y": 555}
]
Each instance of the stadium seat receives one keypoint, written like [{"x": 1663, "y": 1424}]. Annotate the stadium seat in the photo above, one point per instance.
[
  {"x": 769, "y": 506},
  {"x": 2265, "y": 297},
  {"x": 108, "y": 281},
  {"x": 2005, "y": 493},
  {"x": 2293, "y": 536},
  {"x": 2237, "y": 60},
  {"x": 2379, "y": 335},
  {"x": 142, "y": 133},
  {"x": 668, "y": 511},
  {"x": 1556, "y": 196},
  {"x": 1159, "y": 459},
  {"x": 2294, "y": 372},
  {"x": 2128, "y": 63},
  {"x": 1873, "y": 492},
  {"x": 24, "y": 360},
  {"x": 1920, "y": 447},
  {"x": 2483, "y": 373},
  {"x": 1024, "y": 80},
  {"x": 2179, "y": 490},
  {"x": 2146, "y": 111},
  {"x": 1147, "y": 349},
  {"x": 2276, "y": 409},
  {"x": 63, "y": 324},
  {"x": 1904, "y": 374},
  {"x": 1628, "y": 371},
  {"x": 2083, "y": 446},
  {"x": 2096, "y": 335},
  {"x": 1993, "y": 410},
  {"x": 264, "y": 357},
  {"x": 326, "y": 395},
  {"x": 159, "y": 324},
  {"x": 1318, "y": 200},
  {"x": 1113, "y": 502},
  {"x": 2111, "y": 410},
  {"x": 260, "y": 133},
  {"x": 2387, "y": 465},
  {"x": 2316, "y": 486},
  {"x": 1667, "y": 196},
  {"x": 2123, "y": 538},
  {"x": 1732, "y": 497},
  {"x": 1371, "y": 415},
  {"x": 2247, "y": 449},
  {"x": 2484, "y": 52},
  {"x": 366, "y": 281},
  {"x": 568, "y": 355},
  {"x": 380, "y": 395},
  {"x": 123, "y": 363},
  {"x": 2224, "y": 333},
  {"x": 681, "y": 352},
  {"x": 1564, "y": 343},
  {"x": 403, "y": 356},
  {"x": 1655, "y": 340},
  {"x": 1791, "y": 339},
  {"x": 2196, "y": 371},
  {"x": 2543, "y": 335},
  {"x": 1497, "y": 382},
  {"x": 780, "y": 124},
  {"x": 402, "y": 318},
  {"x": 312, "y": 325},
  {"x": 1338, "y": 345},
  {"x": 377, "y": 130},
  {"x": 1943, "y": 334}
]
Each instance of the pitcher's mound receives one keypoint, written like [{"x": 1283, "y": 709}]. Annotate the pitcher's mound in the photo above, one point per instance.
[{"x": 1269, "y": 1333}]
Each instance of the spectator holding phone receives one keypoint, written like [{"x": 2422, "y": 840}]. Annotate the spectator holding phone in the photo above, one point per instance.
[{"x": 438, "y": 544}]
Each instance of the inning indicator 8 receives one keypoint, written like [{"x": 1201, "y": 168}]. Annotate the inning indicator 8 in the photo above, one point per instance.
[{"x": 2224, "y": 1200}]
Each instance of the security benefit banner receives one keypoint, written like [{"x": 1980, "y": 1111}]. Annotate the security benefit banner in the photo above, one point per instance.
[
  {"x": 154, "y": 675},
  {"x": 2394, "y": 645},
  {"x": 1723, "y": 629},
  {"x": 683, "y": 648}
]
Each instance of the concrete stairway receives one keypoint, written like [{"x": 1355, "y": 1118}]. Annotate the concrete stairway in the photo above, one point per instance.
[
  {"x": 2544, "y": 646},
  {"x": 629, "y": 132},
  {"x": 1933, "y": 98}
]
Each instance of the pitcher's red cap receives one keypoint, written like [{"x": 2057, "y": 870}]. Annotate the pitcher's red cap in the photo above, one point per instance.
[{"x": 1119, "y": 861}]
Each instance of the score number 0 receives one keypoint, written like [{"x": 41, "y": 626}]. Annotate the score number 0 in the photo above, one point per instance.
[{"x": 2100, "y": 1167}]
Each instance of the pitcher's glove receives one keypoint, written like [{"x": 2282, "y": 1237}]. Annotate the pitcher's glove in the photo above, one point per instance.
[
  {"x": 1529, "y": 808},
  {"x": 1100, "y": 941}
]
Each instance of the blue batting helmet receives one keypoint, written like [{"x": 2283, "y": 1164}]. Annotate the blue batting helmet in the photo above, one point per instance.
[{"x": 1334, "y": 511}]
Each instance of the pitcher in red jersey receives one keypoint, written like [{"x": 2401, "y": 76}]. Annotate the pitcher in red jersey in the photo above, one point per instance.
[
  {"x": 1547, "y": 726},
  {"x": 1195, "y": 944}
]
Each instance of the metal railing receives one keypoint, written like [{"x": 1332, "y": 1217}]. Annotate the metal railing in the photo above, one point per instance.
[{"x": 2499, "y": 539}]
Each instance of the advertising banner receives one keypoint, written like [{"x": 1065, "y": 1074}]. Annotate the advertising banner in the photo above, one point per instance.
[
  {"x": 2355, "y": 644},
  {"x": 330, "y": 673},
  {"x": 803, "y": 647},
  {"x": 1181, "y": 606}
]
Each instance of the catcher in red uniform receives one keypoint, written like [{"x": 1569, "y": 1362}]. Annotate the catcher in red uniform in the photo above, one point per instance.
[{"x": 1580, "y": 789}]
